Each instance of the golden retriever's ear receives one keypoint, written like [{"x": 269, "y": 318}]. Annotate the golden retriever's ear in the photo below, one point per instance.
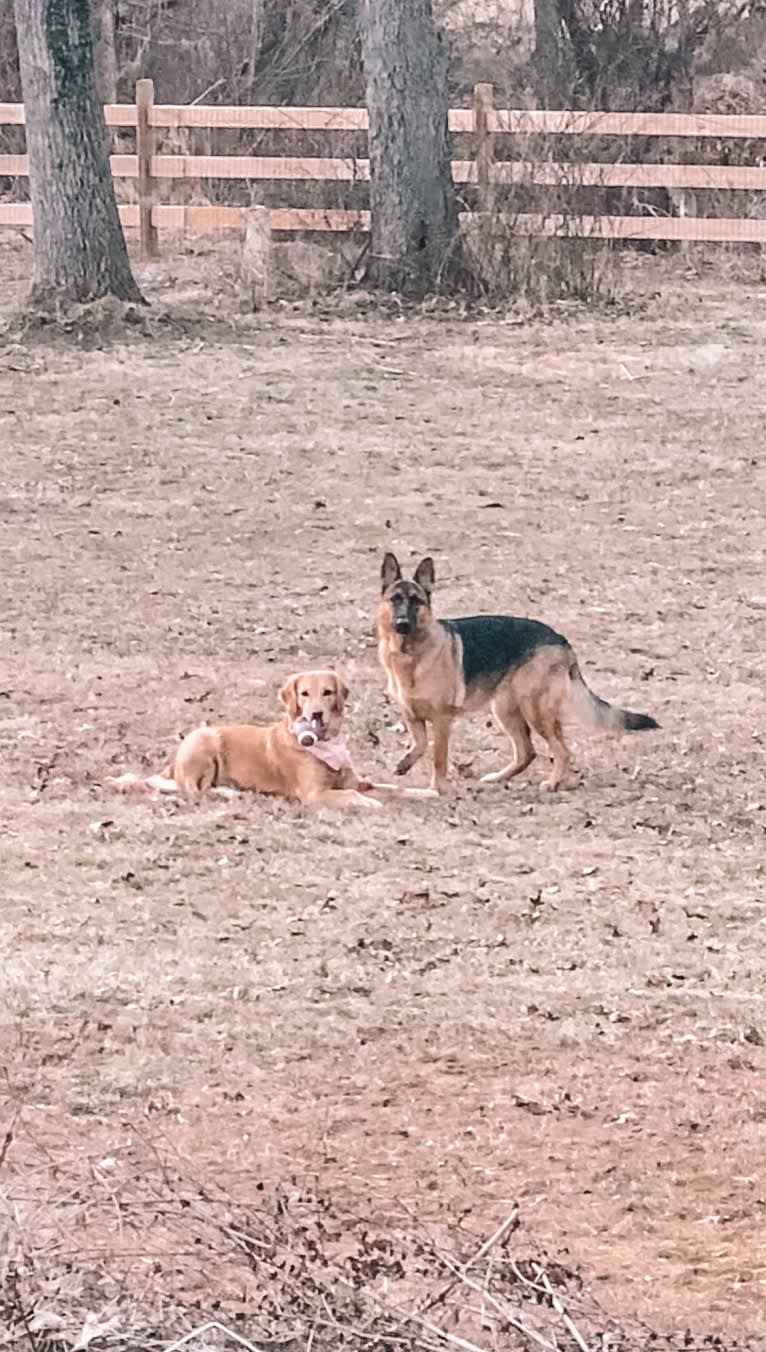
[
  {"x": 341, "y": 691},
  {"x": 390, "y": 572},
  {"x": 289, "y": 696},
  {"x": 425, "y": 575}
]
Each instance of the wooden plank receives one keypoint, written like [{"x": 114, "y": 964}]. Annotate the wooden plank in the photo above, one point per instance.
[
  {"x": 628, "y": 124},
  {"x": 17, "y": 166},
  {"x": 462, "y": 119},
  {"x": 11, "y": 114},
  {"x": 200, "y": 115},
  {"x": 120, "y": 114},
  {"x": 704, "y": 229},
  {"x": 715, "y": 177},
  {"x": 19, "y": 214},
  {"x": 300, "y": 119},
  {"x": 511, "y": 120},
  {"x": 710, "y": 229},
  {"x": 124, "y": 166},
  {"x": 701, "y": 229},
  {"x": 276, "y": 168},
  {"x": 304, "y": 119},
  {"x": 266, "y": 167},
  {"x": 116, "y": 114},
  {"x": 15, "y": 213},
  {"x": 197, "y": 218},
  {"x": 288, "y": 218}
]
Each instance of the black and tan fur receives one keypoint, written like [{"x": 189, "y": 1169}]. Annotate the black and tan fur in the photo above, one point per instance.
[{"x": 525, "y": 672}]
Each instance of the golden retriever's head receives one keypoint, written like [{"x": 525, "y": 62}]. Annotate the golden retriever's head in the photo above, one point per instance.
[{"x": 319, "y": 697}]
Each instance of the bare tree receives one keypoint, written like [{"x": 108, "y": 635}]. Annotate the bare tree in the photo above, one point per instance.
[
  {"x": 414, "y": 229},
  {"x": 625, "y": 54},
  {"x": 547, "y": 62},
  {"x": 105, "y": 51},
  {"x": 80, "y": 250}
]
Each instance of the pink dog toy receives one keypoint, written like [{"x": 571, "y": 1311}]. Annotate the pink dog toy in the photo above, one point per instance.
[
  {"x": 304, "y": 731},
  {"x": 332, "y": 750}
]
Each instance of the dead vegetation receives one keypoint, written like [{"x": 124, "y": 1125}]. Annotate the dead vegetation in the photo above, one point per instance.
[
  {"x": 283, "y": 1271},
  {"x": 277, "y": 1069}
]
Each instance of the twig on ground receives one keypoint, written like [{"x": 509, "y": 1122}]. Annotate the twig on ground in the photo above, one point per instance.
[
  {"x": 507, "y": 1227},
  {"x": 8, "y": 1137},
  {"x": 442, "y": 1334},
  {"x": 366, "y": 1335},
  {"x": 99, "y": 1178},
  {"x": 18, "y": 1307},
  {"x": 560, "y": 1309},
  {"x": 518, "y": 1324},
  {"x": 213, "y": 1324}
]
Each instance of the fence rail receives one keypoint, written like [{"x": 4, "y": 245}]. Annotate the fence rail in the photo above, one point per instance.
[
  {"x": 485, "y": 124},
  {"x": 314, "y": 169}
]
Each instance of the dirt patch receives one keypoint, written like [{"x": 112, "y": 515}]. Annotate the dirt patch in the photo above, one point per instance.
[{"x": 504, "y": 999}]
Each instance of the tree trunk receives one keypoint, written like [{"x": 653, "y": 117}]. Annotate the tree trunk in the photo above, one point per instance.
[
  {"x": 414, "y": 228},
  {"x": 80, "y": 251},
  {"x": 547, "y": 61},
  {"x": 104, "y": 50}
]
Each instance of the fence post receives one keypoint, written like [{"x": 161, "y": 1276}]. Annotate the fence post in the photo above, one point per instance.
[
  {"x": 483, "y": 103},
  {"x": 684, "y": 203},
  {"x": 144, "y": 152}
]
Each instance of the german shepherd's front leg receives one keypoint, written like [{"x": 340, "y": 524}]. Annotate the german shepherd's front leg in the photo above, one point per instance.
[
  {"x": 418, "y": 744},
  {"x": 442, "y": 728}
]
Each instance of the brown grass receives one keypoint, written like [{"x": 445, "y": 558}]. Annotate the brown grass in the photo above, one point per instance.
[{"x": 417, "y": 1022}]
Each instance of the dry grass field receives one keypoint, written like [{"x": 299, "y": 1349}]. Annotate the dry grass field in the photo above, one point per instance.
[{"x": 503, "y": 998}]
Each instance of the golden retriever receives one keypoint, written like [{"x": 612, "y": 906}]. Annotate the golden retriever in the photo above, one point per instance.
[{"x": 303, "y": 756}]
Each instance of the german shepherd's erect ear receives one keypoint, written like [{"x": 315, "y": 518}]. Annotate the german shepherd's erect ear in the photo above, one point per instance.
[
  {"x": 425, "y": 576},
  {"x": 390, "y": 572}
]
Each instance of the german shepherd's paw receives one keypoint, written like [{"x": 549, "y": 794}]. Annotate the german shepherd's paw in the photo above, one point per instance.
[{"x": 494, "y": 777}]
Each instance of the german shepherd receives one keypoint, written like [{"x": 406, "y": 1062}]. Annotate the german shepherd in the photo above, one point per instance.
[{"x": 526, "y": 673}]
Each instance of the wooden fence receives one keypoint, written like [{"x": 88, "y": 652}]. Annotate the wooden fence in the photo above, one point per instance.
[{"x": 484, "y": 125}]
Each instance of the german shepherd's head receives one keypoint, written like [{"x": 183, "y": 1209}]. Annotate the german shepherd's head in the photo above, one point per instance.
[{"x": 405, "y": 606}]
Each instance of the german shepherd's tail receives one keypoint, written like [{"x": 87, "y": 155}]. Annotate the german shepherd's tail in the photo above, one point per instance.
[{"x": 594, "y": 712}]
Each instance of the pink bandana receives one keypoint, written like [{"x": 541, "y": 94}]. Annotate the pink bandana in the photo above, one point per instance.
[{"x": 333, "y": 752}]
